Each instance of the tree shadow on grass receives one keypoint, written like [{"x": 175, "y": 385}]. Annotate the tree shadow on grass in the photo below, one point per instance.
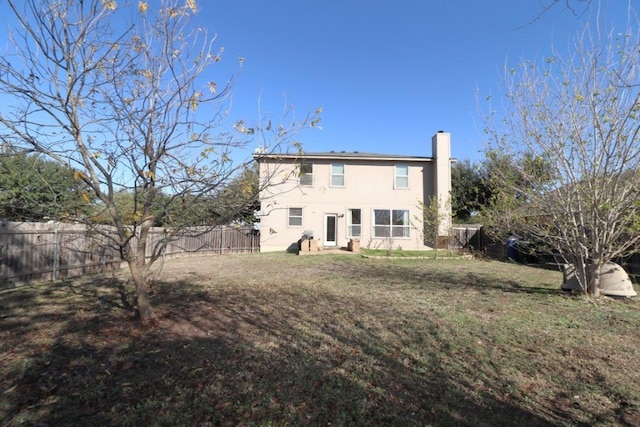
[
  {"x": 230, "y": 355},
  {"x": 110, "y": 291},
  {"x": 409, "y": 276},
  {"x": 457, "y": 283},
  {"x": 224, "y": 357}
]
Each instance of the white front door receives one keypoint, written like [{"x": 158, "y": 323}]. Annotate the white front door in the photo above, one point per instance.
[{"x": 330, "y": 230}]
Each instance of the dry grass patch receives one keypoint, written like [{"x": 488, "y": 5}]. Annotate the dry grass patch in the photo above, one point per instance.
[{"x": 275, "y": 339}]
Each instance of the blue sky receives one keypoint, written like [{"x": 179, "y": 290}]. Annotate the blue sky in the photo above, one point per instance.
[{"x": 388, "y": 74}]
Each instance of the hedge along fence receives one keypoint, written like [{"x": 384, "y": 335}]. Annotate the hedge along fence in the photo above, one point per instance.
[{"x": 36, "y": 252}]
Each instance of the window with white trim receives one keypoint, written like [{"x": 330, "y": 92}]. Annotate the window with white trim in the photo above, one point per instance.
[
  {"x": 401, "y": 176},
  {"x": 306, "y": 174},
  {"x": 354, "y": 223},
  {"x": 295, "y": 217},
  {"x": 337, "y": 175},
  {"x": 391, "y": 223}
]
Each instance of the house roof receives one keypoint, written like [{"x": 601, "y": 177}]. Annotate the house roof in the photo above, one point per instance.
[{"x": 343, "y": 155}]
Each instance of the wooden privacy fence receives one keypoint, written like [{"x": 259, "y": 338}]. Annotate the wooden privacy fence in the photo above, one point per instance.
[
  {"x": 34, "y": 252},
  {"x": 466, "y": 236},
  {"x": 474, "y": 237},
  {"x": 31, "y": 252},
  {"x": 206, "y": 240}
]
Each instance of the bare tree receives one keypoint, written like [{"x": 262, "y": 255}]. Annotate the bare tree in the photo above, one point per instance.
[
  {"x": 571, "y": 129},
  {"x": 125, "y": 95},
  {"x": 575, "y": 7}
]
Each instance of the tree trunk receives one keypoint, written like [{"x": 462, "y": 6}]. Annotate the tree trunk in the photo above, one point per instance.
[
  {"x": 141, "y": 276},
  {"x": 435, "y": 246},
  {"x": 594, "y": 279},
  {"x": 142, "y": 295}
]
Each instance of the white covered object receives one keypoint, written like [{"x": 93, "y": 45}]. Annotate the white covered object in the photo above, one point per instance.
[{"x": 614, "y": 281}]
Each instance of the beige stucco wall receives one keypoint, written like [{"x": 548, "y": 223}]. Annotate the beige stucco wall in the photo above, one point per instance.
[
  {"x": 369, "y": 185},
  {"x": 441, "y": 149}
]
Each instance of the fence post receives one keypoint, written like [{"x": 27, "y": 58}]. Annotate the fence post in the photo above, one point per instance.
[
  {"x": 56, "y": 254},
  {"x": 49, "y": 252}
]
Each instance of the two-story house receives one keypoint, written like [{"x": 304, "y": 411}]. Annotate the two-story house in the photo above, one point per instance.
[{"x": 339, "y": 196}]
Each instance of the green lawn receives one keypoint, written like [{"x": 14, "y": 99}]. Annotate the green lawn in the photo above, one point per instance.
[
  {"x": 403, "y": 253},
  {"x": 279, "y": 339}
]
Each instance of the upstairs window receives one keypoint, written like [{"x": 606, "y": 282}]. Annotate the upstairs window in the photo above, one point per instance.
[
  {"x": 354, "y": 223},
  {"x": 306, "y": 174},
  {"x": 337, "y": 175},
  {"x": 401, "y": 176},
  {"x": 295, "y": 217},
  {"x": 391, "y": 223}
]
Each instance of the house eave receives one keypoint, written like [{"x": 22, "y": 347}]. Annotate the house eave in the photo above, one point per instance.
[{"x": 341, "y": 156}]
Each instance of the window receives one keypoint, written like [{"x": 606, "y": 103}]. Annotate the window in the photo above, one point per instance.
[
  {"x": 354, "y": 223},
  {"x": 295, "y": 217},
  {"x": 402, "y": 176},
  {"x": 337, "y": 175},
  {"x": 390, "y": 223},
  {"x": 306, "y": 174}
]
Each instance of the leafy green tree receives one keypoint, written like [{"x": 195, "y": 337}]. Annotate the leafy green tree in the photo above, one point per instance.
[
  {"x": 126, "y": 93},
  {"x": 235, "y": 202},
  {"x": 571, "y": 132},
  {"x": 469, "y": 190},
  {"x": 476, "y": 187},
  {"x": 32, "y": 188},
  {"x": 230, "y": 205},
  {"x": 127, "y": 207},
  {"x": 508, "y": 183}
]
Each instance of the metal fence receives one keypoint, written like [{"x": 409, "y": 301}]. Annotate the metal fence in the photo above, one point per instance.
[{"x": 35, "y": 252}]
